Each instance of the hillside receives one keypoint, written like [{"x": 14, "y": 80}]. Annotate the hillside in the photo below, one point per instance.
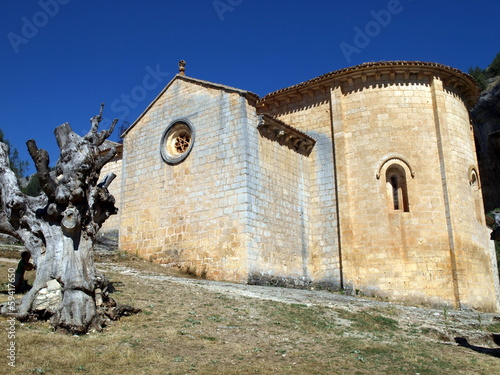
[{"x": 205, "y": 327}]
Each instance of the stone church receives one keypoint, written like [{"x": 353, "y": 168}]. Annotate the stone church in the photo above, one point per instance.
[{"x": 362, "y": 179}]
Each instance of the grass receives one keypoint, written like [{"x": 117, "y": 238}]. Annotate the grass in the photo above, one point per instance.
[
  {"x": 495, "y": 327},
  {"x": 185, "y": 329}
]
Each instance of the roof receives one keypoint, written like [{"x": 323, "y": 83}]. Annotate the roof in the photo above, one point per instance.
[
  {"x": 467, "y": 82},
  {"x": 247, "y": 94},
  {"x": 376, "y": 65}
]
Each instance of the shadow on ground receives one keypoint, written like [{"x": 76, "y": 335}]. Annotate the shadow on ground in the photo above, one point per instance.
[{"x": 461, "y": 341}]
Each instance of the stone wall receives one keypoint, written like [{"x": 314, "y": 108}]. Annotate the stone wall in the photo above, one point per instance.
[
  {"x": 391, "y": 252},
  {"x": 279, "y": 217},
  {"x": 190, "y": 214},
  {"x": 476, "y": 270},
  {"x": 312, "y": 115},
  {"x": 237, "y": 208},
  {"x": 432, "y": 251},
  {"x": 435, "y": 248}
]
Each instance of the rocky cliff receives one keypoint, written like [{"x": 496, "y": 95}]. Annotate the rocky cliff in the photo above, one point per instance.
[{"x": 486, "y": 120}]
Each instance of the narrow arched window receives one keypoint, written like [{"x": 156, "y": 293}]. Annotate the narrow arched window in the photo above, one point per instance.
[
  {"x": 396, "y": 188},
  {"x": 473, "y": 179},
  {"x": 476, "y": 193}
]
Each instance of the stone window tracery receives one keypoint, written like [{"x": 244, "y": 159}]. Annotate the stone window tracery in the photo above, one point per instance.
[{"x": 181, "y": 143}]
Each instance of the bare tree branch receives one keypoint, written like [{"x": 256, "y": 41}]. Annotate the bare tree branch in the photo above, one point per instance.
[
  {"x": 41, "y": 160},
  {"x": 7, "y": 228},
  {"x": 104, "y": 134},
  {"x": 106, "y": 158}
]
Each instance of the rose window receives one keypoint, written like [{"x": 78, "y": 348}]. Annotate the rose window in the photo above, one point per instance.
[{"x": 176, "y": 142}]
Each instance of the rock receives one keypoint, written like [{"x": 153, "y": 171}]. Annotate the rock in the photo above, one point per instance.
[
  {"x": 106, "y": 242},
  {"x": 486, "y": 120},
  {"x": 98, "y": 297},
  {"x": 49, "y": 298}
]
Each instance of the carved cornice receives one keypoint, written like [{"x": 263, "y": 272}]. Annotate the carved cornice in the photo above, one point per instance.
[
  {"x": 405, "y": 70},
  {"x": 278, "y": 131}
]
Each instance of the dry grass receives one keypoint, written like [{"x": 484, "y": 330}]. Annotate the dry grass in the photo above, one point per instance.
[{"x": 185, "y": 329}]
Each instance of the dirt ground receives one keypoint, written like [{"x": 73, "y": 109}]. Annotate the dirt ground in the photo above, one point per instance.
[
  {"x": 443, "y": 325},
  {"x": 196, "y": 326}
]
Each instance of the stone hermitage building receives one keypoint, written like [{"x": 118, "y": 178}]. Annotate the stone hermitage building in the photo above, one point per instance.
[{"x": 364, "y": 179}]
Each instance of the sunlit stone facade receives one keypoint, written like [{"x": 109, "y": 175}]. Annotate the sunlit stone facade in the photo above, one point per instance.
[{"x": 363, "y": 179}]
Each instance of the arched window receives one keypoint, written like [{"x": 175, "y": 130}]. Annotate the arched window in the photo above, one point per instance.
[
  {"x": 397, "y": 192},
  {"x": 473, "y": 178},
  {"x": 475, "y": 185}
]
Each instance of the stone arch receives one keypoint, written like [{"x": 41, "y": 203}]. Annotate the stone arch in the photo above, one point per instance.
[
  {"x": 473, "y": 177},
  {"x": 396, "y": 160},
  {"x": 475, "y": 184},
  {"x": 396, "y": 170}
]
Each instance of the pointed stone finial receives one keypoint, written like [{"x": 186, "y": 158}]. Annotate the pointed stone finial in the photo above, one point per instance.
[{"x": 182, "y": 67}]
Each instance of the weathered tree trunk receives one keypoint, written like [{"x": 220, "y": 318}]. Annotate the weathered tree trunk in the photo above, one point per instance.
[{"x": 59, "y": 229}]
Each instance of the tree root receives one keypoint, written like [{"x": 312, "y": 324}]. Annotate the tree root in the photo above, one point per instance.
[{"x": 103, "y": 309}]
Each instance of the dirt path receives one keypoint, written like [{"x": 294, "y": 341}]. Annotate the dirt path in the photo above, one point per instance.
[
  {"x": 442, "y": 325},
  {"x": 8, "y": 260}
]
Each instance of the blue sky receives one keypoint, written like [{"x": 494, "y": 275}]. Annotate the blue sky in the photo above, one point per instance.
[{"x": 61, "y": 58}]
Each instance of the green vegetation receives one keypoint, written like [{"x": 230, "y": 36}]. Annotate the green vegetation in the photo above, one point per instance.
[
  {"x": 495, "y": 328},
  {"x": 483, "y": 75},
  {"x": 33, "y": 187},
  {"x": 17, "y": 165},
  {"x": 369, "y": 321}
]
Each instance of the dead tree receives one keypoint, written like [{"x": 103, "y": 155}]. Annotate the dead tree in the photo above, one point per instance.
[{"x": 59, "y": 229}]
